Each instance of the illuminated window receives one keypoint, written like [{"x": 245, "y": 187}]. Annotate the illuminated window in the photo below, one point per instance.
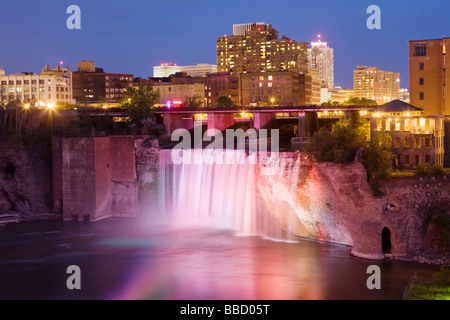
[
  {"x": 406, "y": 125},
  {"x": 397, "y": 125},
  {"x": 270, "y": 78},
  {"x": 388, "y": 124},
  {"x": 417, "y": 142},
  {"x": 397, "y": 143},
  {"x": 379, "y": 124},
  {"x": 407, "y": 161},
  {"x": 407, "y": 143}
]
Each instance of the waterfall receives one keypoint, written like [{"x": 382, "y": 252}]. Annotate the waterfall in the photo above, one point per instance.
[{"x": 220, "y": 192}]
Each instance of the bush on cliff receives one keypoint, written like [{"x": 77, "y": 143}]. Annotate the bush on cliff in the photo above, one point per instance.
[
  {"x": 341, "y": 144},
  {"x": 429, "y": 170},
  {"x": 377, "y": 158}
]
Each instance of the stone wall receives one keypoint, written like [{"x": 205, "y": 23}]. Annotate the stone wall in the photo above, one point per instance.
[
  {"x": 25, "y": 180},
  {"x": 95, "y": 178}
]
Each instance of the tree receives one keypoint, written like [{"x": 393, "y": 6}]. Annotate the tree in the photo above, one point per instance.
[
  {"x": 330, "y": 103},
  {"x": 139, "y": 103},
  {"x": 193, "y": 102},
  {"x": 224, "y": 101},
  {"x": 377, "y": 158},
  {"x": 360, "y": 101},
  {"x": 341, "y": 144}
]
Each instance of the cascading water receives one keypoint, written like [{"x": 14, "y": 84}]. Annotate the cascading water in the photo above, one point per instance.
[{"x": 220, "y": 192}]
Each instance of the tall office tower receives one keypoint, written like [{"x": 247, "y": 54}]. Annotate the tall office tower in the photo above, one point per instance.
[
  {"x": 428, "y": 77},
  {"x": 372, "y": 83},
  {"x": 260, "y": 50},
  {"x": 321, "y": 58}
]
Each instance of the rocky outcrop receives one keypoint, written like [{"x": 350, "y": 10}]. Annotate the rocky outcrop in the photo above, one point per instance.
[
  {"x": 25, "y": 181},
  {"x": 334, "y": 202}
]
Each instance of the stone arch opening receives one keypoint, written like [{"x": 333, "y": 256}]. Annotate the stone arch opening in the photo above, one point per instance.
[
  {"x": 386, "y": 240},
  {"x": 10, "y": 171}
]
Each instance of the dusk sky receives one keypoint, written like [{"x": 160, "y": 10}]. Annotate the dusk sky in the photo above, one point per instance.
[{"x": 133, "y": 36}]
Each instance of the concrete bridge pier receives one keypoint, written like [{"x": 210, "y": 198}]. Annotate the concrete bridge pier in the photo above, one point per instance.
[
  {"x": 173, "y": 121},
  {"x": 262, "y": 119},
  {"x": 308, "y": 124},
  {"x": 220, "y": 121}
]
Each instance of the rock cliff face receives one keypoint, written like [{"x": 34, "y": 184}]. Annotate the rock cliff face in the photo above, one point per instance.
[
  {"x": 25, "y": 181},
  {"x": 334, "y": 202}
]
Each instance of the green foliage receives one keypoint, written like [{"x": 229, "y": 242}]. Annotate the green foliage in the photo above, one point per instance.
[
  {"x": 330, "y": 103},
  {"x": 339, "y": 145},
  {"x": 139, "y": 103},
  {"x": 428, "y": 291},
  {"x": 378, "y": 157},
  {"x": 429, "y": 170},
  {"x": 360, "y": 102},
  {"x": 443, "y": 276},
  {"x": 194, "y": 101},
  {"x": 224, "y": 101}
]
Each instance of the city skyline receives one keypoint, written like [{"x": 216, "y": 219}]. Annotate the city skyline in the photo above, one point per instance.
[{"x": 121, "y": 40}]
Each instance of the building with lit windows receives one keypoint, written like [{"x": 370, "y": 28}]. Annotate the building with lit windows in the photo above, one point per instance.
[
  {"x": 260, "y": 50},
  {"x": 428, "y": 75},
  {"x": 275, "y": 89},
  {"x": 198, "y": 70},
  {"x": 416, "y": 138},
  {"x": 92, "y": 84},
  {"x": 404, "y": 95},
  {"x": 176, "y": 94},
  {"x": 47, "y": 88},
  {"x": 165, "y": 70},
  {"x": 321, "y": 58},
  {"x": 373, "y": 83},
  {"x": 215, "y": 85}
]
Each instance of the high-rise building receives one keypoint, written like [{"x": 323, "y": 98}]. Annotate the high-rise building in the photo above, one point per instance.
[
  {"x": 372, "y": 83},
  {"x": 404, "y": 95},
  {"x": 50, "y": 87},
  {"x": 321, "y": 58},
  {"x": 428, "y": 75},
  {"x": 92, "y": 84},
  {"x": 260, "y": 50}
]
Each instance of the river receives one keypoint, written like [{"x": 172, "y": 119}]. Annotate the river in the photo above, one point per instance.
[{"x": 124, "y": 259}]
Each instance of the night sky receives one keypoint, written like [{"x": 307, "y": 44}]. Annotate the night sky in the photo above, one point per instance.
[{"x": 132, "y": 36}]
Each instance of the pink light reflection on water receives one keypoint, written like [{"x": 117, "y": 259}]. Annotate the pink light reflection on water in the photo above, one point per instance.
[{"x": 201, "y": 264}]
